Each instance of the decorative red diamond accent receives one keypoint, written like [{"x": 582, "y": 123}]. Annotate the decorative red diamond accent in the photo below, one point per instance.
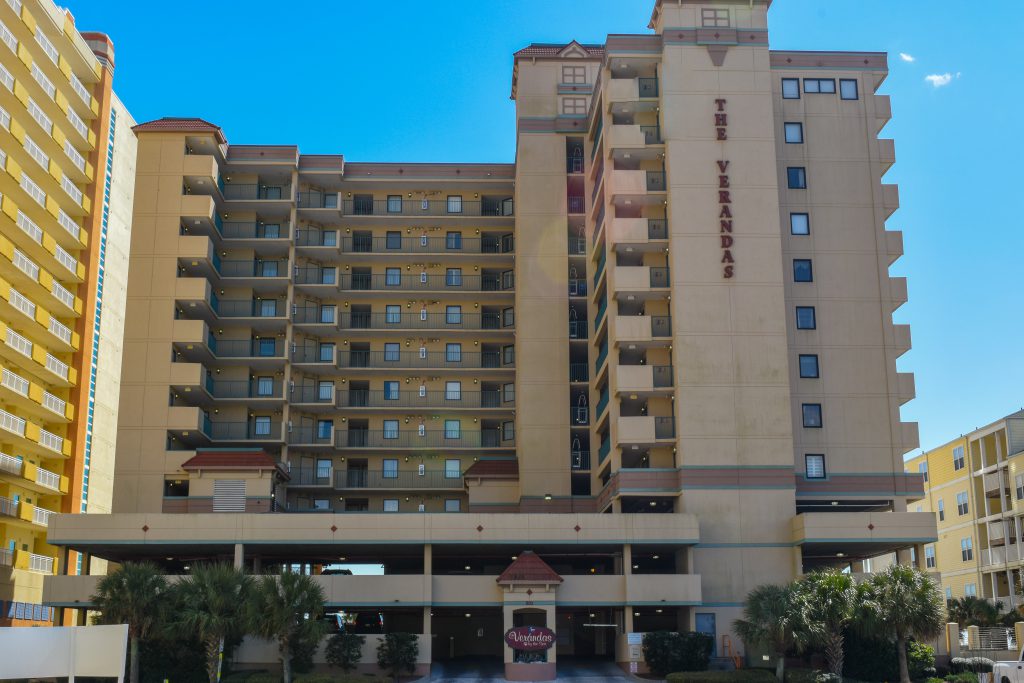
[
  {"x": 529, "y": 591},
  {"x": 718, "y": 35},
  {"x": 871, "y": 527},
  {"x": 479, "y": 528},
  {"x": 145, "y": 528},
  {"x": 577, "y": 528},
  {"x": 333, "y": 528}
]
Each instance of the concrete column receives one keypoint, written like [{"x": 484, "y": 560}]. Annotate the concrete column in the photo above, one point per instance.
[
  {"x": 798, "y": 561},
  {"x": 63, "y": 558},
  {"x": 683, "y": 560},
  {"x": 627, "y": 613},
  {"x": 239, "y": 555},
  {"x": 86, "y": 565},
  {"x": 627, "y": 559},
  {"x": 973, "y": 638},
  {"x": 953, "y": 639},
  {"x": 428, "y": 559},
  {"x": 257, "y": 565},
  {"x": 903, "y": 557},
  {"x": 427, "y": 625}
]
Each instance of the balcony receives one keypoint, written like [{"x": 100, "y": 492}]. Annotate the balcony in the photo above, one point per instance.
[
  {"x": 577, "y": 329},
  {"x": 252, "y": 230},
  {"x": 253, "y": 268},
  {"x": 579, "y": 460},
  {"x": 416, "y": 208},
  {"x": 242, "y": 431},
  {"x": 316, "y": 275},
  {"x": 405, "y": 481},
  {"x": 310, "y": 436},
  {"x": 632, "y": 89},
  {"x": 247, "y": 308},
  {"x": 644, "y": 379},
  {"x": 405, "y": 282},
  {"x": 578, "y": 372},
  {"x": 257, "y": 192},
  {"x": 999, "y": 556},
  {"x": 451, "y": 244},
  {"x": 316, "y": 238},
  {"x": 631, "y": 136},
  {"x": 388, "y": 439},
  {"x": 443, "y": 400},
  {"x": 422, "y": 321},
  {"x": 646, "y": 429},
  {"x": 640, "y": 280},
  {"x": 417, "y": 361},
  {"x": 628, "y": 183},
  {"x": 603, "y": 451},
  {"x": 272, "y": 390},
  {"x": 826, "y": 535},
  {"x": 577, "y": 246},
  {"x": 266, "y": 348},
  {"x": 319, "y": 200},
  {"x": 634, "y": 231},
  {"x": 576, "y": 204},
  {"x": 642, "y": 328},
  {"x": 577, "y": 287}
]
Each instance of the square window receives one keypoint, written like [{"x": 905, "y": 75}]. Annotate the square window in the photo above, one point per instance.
[
  {"x": 794, "y": 133},
  {"x": 453, "y": 240},
  {"x": 802, "y": 270},
  {"x": 791, "y": 88},
  {"x": 453, "y": 315},
  {"x": 390, "y": 429},
  {"x": 391, "y": 391},
  {"x": 799, "y": 224},
  {"x": 814, "y": 466},
  {"x": 805, "y": 318},
  {"x": 796, "y": 178},
  {"x": 390, "y": 505},
  {"x": 265, "y": 386},
  {"x": 848, "y": 89},
  {"x": 452, "y": 469},
  {"x": 949, "y": 593},
  {"x": 452, "y": 505},
  {"x": 455, "y": 203},
  {"x": 574, "y": 106},
  {"x": 392, "y": 314},
  {"x": 393, "y": 240},
  {"x": 394, "y": 203},
  {"x": 453, "y": 391},
  {"x": 392, "y": 352},
  {"x": 714, "y": 18},
  {"x": 811, "y": 415},
  {"x": 809, "y": 366},
  {"x": 453, "y": 353},
  {"x": 574, "y": 74},
  {"x": 389, "y": 468},
  {"x": 324, "y": 429},
  {"x": 452, "y": 429},
  {"x": 392, "y": 277},
  {"x": 453, "y": 277},
  {"x": 1019, "y": 484}
]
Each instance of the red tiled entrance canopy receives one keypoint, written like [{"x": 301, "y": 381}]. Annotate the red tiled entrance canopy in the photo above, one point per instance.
[
  {"x": 529, "y": 568},
  {"x": 227, "y": 461}
]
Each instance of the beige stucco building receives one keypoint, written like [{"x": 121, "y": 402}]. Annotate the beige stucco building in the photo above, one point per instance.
[
  {"x": 67, "y": 155},
  {"x": 657, "y": 351}
]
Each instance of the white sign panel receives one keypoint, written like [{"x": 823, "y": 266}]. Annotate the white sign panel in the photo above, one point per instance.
[{"x": 66, "y": 651}]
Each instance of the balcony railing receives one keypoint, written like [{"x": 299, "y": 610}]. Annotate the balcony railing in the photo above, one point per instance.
[
  {"x": 577, "y": 287},
  {"x": 304, "y": 435},
  {"x": 9, "y": 507},
  {"x": 577, "y": 246},
  {"x": 10, "y": 464},
  {"x": 578, "y": 372},
  {"x": 41, "y": 516},
  {"x": 355, "y": 438},
  {"x": 601, "y": 310},
  {"x": 659, "y": 277},
  {"x": 429, "y": 479},
  {"x": 664, "y": 427},
  {"x": 314, "y": 354},
  {"x": 427, "y": 207},
  {"x": 579, "y": 460},
  {"x": 422, "y": 321},
  {"x": 316, "y": 238},
  {"x": 655, "y": 181},
  {"x": 255, "y": 388},
  {"x": 407, "y": 282},
  {"x": 577, "y": 329},
  {"x": 602, "y": 404},
  {"x": 247, "y": 348},
  {"x": 253, "y": 268},
  {"x": 428, "y": 360},
  {"x": 6, "y": 557},
  {"x": 576, "y": 204},
  {"x": 41, "y": 564},
  {"x": 315, "y": 275},
  {"x": 309, "y": 476},
  {"x": 315, "y": 315},
  {"x": 252, "y": 230},
  {"x": 318, "y": 200},
  {"x": 453, "y": 243},
  {"x": 50, "y": 480},
  {"x": 657, "y": 229},
  {"x": 446, "y": 400},
  {"x": 601, "y": 356},
  {"x": 319, "y": 394},
  {"x": 242, "y": 431},
  {"x": 600, "y": 269},
  {"x": 647, "y": 87},
  {"x": 652, "y": 134},
  {"x": 603, "y": 451},
  {"x": 247, "y": 308},
  {"x": 579, "y": 416},
  {"x": 243, "y": 191},
  {"x": 662, "y": 376}
]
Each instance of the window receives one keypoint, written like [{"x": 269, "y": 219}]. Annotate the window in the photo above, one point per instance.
[
  {"x": 324, "y": 428},
  {"x": 393, "y": 240},
  {"x": 796, "y": 177},
  {"x": 392, "y": 352},
  {"x": 452, "y": 505},
  {"x": 799, "y": 224},
  {"x": 929, "y": 557},
  {"x": 802, "y": 270},
  {"x": 966, "y": 550},
  {"x": 453, "y": 353},
  {"x": 812, "y": 415},
  {"x": 714, "y": 18},
  {"x": 452, "y": 429},
  {"x": 805, "y": 318},
  {"x": 508, "y": 393},
  {"x": 268, "y": 308},
  {"x": 949, "y": 593},
  {"x": 455, "y": 203},
  {"x": 508, "y": 430},
  {"x": 453, "y": 277},
  {"x": 261, "y": 425},
  {"x": 453, "y": 391},
  {"x": 574, "y": 74},
  {"x": 970, "y": 590},
  {"x": 1019, "y": 483},
  {"x": 266, "y": 347},
  {"x": 392, "y": 314},
  {"x": 390, "y": 429},
  {"x": 391, "y": 391},
  {"x": 922, "y": 469},
  {"x": 326, "y": 352},
  {"x": 325, "y": 391},
  {"x": 508, "y": 355},
  {"x": 453, "y": 315},
  {"x": 962, "y": 506},
  {"x": 848, "y": 89},
  {"x": 791, "y": 88},
  {"x": 321, "y": 504},
  {"x": 825, "y": 86},
  {"x": 453, "y": 240},
  {"x": 394, "y": 203},
  {"x": 574, "y": 106},
  {"x": 809, "y": 366},
  {"x": 942, "y": 510},
  {"x": 958, "y": 458},
  {"x": 390, "y": 505},
  {"x": 814, "y": 466},
  {"x": 265, "y": 386},
  {"x": 452, "y": 469},
  {"x": 794, "y": 133},
  {"x": 508, "y": 317},
  {"x": 389, "y": 468},
  {"x": 392, "y": 277}
]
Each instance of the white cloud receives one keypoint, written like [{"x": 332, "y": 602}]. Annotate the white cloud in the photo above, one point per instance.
[
  {"x": 907, "y": 58},
  {"x": 941, "y": 80}
]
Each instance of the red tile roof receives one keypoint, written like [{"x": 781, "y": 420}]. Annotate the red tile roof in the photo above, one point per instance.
[
  {"x": 231, "y": 460},
  {"x": 529, "y": 568},
  {"x": 552, "y": 49},
  {"x": 172, "y": 124},
  {"x": 494, "y": 469}
]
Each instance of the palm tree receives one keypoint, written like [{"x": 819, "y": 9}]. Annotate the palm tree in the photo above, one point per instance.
[
  {"x": 210, "y": 605},
  {"x": 974, "y": 611},
  {"x": 135, "y": 594},
  {"x": 829, "y": 600},
  {"x": 288, "y": 609},
  {"x": 770, "y": 619},
  {"x": 905, "y": 603}
]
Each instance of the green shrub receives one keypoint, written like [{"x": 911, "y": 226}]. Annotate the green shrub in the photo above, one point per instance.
[
  {"x": 739, "y": 676},
  {"x": 970, "y": 665},
  {"x": 264, "y": 677},
  {"x": 344, "y": 650},
  {"x": 920, "y": 660},
  {"x": 935, "y": 680},
  {"x": 397, "y": 653},
  {"x": 964, "y": 677},
  {"x": 823, "y": 677},
  {"x": 870, "y": 659},
  {"x": 670, "y": 652},
  {"x": 796, "y": 675}
]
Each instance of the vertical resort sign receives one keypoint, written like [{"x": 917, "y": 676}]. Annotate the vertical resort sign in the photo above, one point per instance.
[{"x": 728, "y": 241}]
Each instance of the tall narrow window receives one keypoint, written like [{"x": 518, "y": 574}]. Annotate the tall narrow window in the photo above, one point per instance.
[
  {"x": 453, "y": 353},
  {"x": 391, "y": 391},
  {"x": 958, "y": 458},
  {"x": 452, "y": 429},
  {"x": 805, "y": 318},
  {"x": 814, "y": 466},
  {"x": 791, "y": 88},
  {"x": 966, "y": 549},
  {"x": 452, "y": 468},
  {"x": 265, "y": 386},
  {"x": 929, "y": 557},
  {"x": 394, "y": 203},
  {"x": 922, "y": 469},
  {"x": 962, "y": 506},
  {"x": 455, "y": 203},
  {"x": 809, "y": 366},
  {"x": 942, "y": 510},
  {"x": 811, "y": 415},
  {"x": 453, "y": 391},
  {"x": 453, "y": 277},
  {"x": 453, "y": 240},
  {"x": 453, "y": 315}
]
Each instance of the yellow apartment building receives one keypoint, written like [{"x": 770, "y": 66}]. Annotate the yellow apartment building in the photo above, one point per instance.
[
  {"x": 67, "y": 155},
  {"x": 974, "y": 485},
  {"x": 606, "y": 390}
]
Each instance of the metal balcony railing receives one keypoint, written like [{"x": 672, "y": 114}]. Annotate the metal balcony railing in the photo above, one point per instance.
[
  {"x": 647, "y": 87},
  {"x": 655, "y": 181},
  {"x": 652, "y": 134},
  {"x": 657, "y": 229},
  {"x": 242, "y": 431},
  {"x": 10, "y": 464},
  {"x": 316, "y": 238},
  {"x": 578, "y": 372},
  {"x": 579, "y": 416},
  {"x": 576, "y": 204},
  {"x": 318, "y": 200},
  {"x": 415, "y": 360},
  {"x": 602, "y": 308},
  {"x": 664, "y": 427},
  {"x": 577, "y": 246},
  {"x": 602, "y": 403},
  {"x": 318, "y": 394},
  {"x": 600, "y": 269},
  {"x": 312, "y": 476},
  {"x": 315, "y": 275},
  {"x": 316, "y": 355},
  {"x": 254, "y": 388},
  {"x": 41, "y": 516},
  {"x": 304, "y": 435},
  {"x": 409, "y": 282},
  {"x": 247, "y": 348},
  {"x": 422, "y": 321},
  {"x": 9, "y": 507},
  {"x": 601, "y": 357},
  {"x": 249, "y": 230},
  {"x": 253, "y": 268},
  {"x": 6, "y": 557},
  {"x": 355, "y": 438},
  {"x": 243, "y": 191},
  {"x": 429, "y": 479},
  {"x": 41, "y": 564},
  {"x": 428, "y": 207},
  {"x": 577, "y": 287},
  {"x": 448, "y": 400},
  {"x": 663, "y": 376},
  {"x": 451, "y": 243},
  {"x": 577, "y": 329},
  {"x": 247, "y": 308},
  {"x": 579, "y": 460},
  {"x": 315, "y": 315},
  {"x": 50, "y": 480},
  {"x": 603, "y": 451}
]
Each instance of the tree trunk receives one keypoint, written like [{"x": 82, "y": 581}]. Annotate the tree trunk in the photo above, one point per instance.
[
  {"x": 901, "y": 656},
  {"x": 133, "y": 671},
  {"x": 780, "y": 666},
  {"x": 286, "y": 661},
  {"x": 213, "y": 658},
  {"x": 834, "y": 652}
]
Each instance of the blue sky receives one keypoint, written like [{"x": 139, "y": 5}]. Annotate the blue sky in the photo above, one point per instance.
[{"x": 429, "y": 81}]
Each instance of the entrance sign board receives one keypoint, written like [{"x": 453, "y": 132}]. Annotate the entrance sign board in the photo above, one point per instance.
[
  {"x": 63, "y": 652},
  {"x": 530, "y": 638}
]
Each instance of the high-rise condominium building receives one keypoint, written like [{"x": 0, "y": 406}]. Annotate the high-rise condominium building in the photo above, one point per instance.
[
  {"x": 67, "y": 154},
  {"x": 657, "y": 352},
  {"x": 974, "y": 485}
]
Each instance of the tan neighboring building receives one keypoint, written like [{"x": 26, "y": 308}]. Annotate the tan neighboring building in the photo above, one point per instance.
[
  {"x": 974, "y": 485},
  {"x": 67, "y": 153},
  {"x": 657, "y": 351}
]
